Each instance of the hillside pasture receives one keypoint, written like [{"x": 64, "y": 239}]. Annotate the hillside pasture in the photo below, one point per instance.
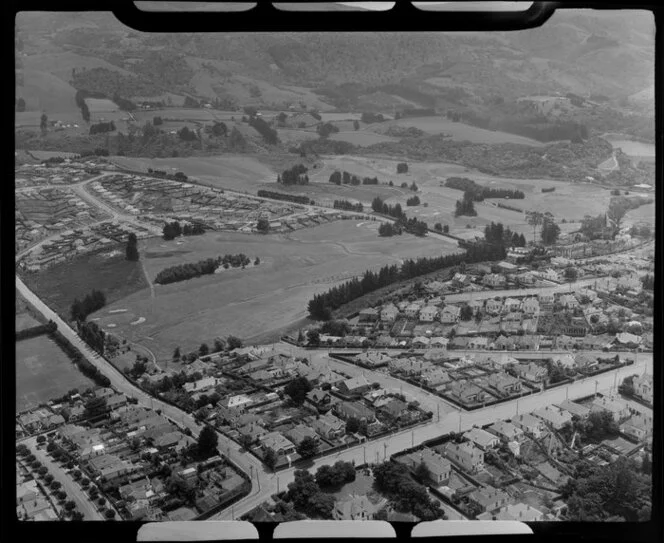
[
  {"x": 362, "y": 138},
  {"x": 44, "y": 372},
  {"x": 456, "y": 131},
  {"x": 250, "y": 303},
  {"x": 233, "y": 172}
]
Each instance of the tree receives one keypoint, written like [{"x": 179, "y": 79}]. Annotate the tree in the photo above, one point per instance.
[
  {"x": 43, "y": 124},
  {"x": 203, "y": 349},
  {"x": 263, "y": 226},
  {"x": 356, "y": 124},
  {"x": 48, "y": 478},
  {"x": 70, "y": 505},
  {"x": 466, "y": 313},
  {"x": 101, "y": 501},
  {"x": 20, "y": 105},
  {"x": 207, "y": 443},
  {"x": 297, "y": 390},
  {"x": 534, "y": 218},
  {"x": 550, "y": 231},
  {"x": 233, "y": 343},
  {"x": 109, "y": 514},
  {"x": 618, "y": 207},
  {"x": 402, "y": 167},
  {"x": 422, "y": 473},
  {"x": 131, "y": 251},
  {"x": 270, "y": 459},
  {"x": 313, "y": 337},
  {"x": 307, "y": 447},
  {"x": 42, "y": 471},
  {"x": 177, "y": 354},
  {"x": 41, "y": 439},
  {"x": 571, "y": 273},
  {"x": 438, "y": 227}
]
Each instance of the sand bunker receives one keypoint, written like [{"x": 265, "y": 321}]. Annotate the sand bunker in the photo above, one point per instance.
[
  {"x": 111, "y": 325},
  {"x": 112, "y": 311},
  {"x": 138, "y": 321}
]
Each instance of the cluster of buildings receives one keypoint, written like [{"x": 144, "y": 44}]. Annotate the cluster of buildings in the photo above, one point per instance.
[
  {"x": 44, "y": 211},
  {"x": 32, "y": 504},
  {"x": 157, "y": 200},
  {"x": 243, "y": 396},
  {"x": 42, "y": 175}
]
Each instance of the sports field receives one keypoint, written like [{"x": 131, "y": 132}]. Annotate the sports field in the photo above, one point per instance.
[
  {"x": 252, "y": 302},
  {"x": 44, "y": 372}
]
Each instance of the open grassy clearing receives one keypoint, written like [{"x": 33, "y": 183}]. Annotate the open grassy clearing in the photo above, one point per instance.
[
  {"x": 252, "y": 302},
  {"x": 107, "y": 271},
  {"x": 641, "y": 215},
  {"x": 457, "y": 131},
  {"x": 44, "y": 372}
]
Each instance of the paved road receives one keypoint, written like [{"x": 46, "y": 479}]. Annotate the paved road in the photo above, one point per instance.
[
  {"x": 449, "y": 421},
  {"x": 74, "y": 492},
  {"x": 246, "y": 462}
]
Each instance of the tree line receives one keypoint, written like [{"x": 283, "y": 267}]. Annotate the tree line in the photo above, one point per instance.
[
  {"x": 35, "y": 331},
  {"x": 325, "y": 129},
  {"x": 412, "y": 225},
  {"x": 174, "y": 230},
  {"x": 345, "y": 178},
  {"x": 182, "y": 272},
  {"x": 465, "y": 206},
  {"x": 387, "y": 229},
  {"x": 414, "y": 201},
  {"x": 297, "y": 175},
  {"x": 101, "y": 128},
  {"x": 285, "y": 197},
  {"x": 85, "y": 367},
  {"x": 80, "y": 97},
  {"x": 498, "y": 234},
  {"x": 348, "y": 206},
  {"x": 321, "y": 305},
  {"x": 269, "y": 134},
  {"x": 131, "y": 250},
  {"x": 93, "y": 335},
  {"x": 123, "y": 103},
  {"x": 479, "y": 192},
  {"x": 92, "y": 302}
]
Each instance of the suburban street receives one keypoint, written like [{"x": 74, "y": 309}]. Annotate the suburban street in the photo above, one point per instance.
[
  {"x": 451, "y": 419},
  {"x": 74, "y": 492}
]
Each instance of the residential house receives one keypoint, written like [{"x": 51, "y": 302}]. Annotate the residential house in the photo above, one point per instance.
[
  {"x": 628, "y": 340},
  {"x": 529, "y": 424},
  {"x": 434, "y": 287},
  {"x": 643, "y": 387},
  {"x": 460, "y": 280},
  {"x": 408, "y": 366},
  {"x": 554, "y": 416},
  {"x": 397, "y": 411},
  {"x": 420, "y": 342},
  {"x": 355, "y": 385},
  {"x": 389, "y": 313},
  {"x": 329, "y": 426},
  {"x": 505, "y": 384},
  {"x": 493, "y": 306},
  {"x": 585, "y": 361},
  {"x": 346, "y": 410},
  {"x": 439, "y": 466},
  {"x": 530, "y": 306},
  {"x": 435, "y": 377},
  {"x": 450, "y": 314},
  {"x": 531, "y": 372},
  {"x": 466, "y": 455},
  {"x": 565, "y": 342},
  {"x": 428, "y": 313},
  {"x": 412, "y": 310},
  {"x": 638, "y": 427},
  {"x": 510, "y": 305},
  {"x": 110, "y": 467},
  {"x": 521, "y": 512},
  {"x": 601, "y": 342},
  {"x": 494, "y": 280},
  {"x": 369, "y": 315},
  {"x": 568, "y": 301},
  {"x": 201, "y": 385},
  {"x": 280, "y": 445},
  {"x": 575, "y": 409},
  {"x": 467, "y": 392},
  {"x": 504, "y": 343},
  {"x": 138, "y": 490},
  {"x": 373, "y": 359},
  {"x": 439, "y": 342},
  {"x": 354, "y": 508},
  {"x": 483, "y": 439},
  {"x": 506, "y": 431},
  {"x": 489, "y": 499},
  {"x": 299, "y": 433},
  {"x": 617, "y": 408},
  {"x": 238, "y": 401},
  {"x": 321, "y": 400},
  {"x": 252, "y": 431},
  {"x": 528, "y": 342},
  {"x": 550, "y": 275},
  {"x": 478, "y": 343}
]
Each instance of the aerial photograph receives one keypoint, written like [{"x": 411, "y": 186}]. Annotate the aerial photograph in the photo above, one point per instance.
[{"x": 276, "y": 276}]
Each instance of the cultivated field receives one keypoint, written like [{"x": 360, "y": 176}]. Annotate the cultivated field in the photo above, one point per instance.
[
  {"x": 457, "y": 131},
  {"x": 44, "y": 372},
  {"x": 259, "y": 300}
]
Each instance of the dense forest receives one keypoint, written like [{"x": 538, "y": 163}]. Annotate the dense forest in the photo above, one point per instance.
[
  {"x": 297, "y": 175},
  {"x": 92, "y": 302},
  {"x": 348, "y": 206},
  {"x": 322, "y": 305}
]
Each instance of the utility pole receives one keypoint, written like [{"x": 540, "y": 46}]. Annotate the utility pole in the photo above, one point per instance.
[
  {"x": 364, "y": 448},
  {"x": 277, "y": 484},
  {"x": 438, "y": 411},
  {"x": 412, "y": 437},
  {"x": 385, "y": 451}
]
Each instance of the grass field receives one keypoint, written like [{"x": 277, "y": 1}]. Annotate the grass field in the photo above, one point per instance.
[
  {"x": 44, "y": 372},
  {"x": 232, "y": 172},
  {"x": 259, "y": 300},
  {"x": 361, "y": 137},
  {"x": 61, "y": 284},
  {"x": 457, "y": 131}
]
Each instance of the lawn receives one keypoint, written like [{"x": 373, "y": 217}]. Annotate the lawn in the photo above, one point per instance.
[
  {"x": 361, "y": 137},
  {"x": 106, "y": 270},
  {"x": 361, "y": 486},
  {"x": 259, "y": 300},
  {"x": 44, "y": 372}
]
